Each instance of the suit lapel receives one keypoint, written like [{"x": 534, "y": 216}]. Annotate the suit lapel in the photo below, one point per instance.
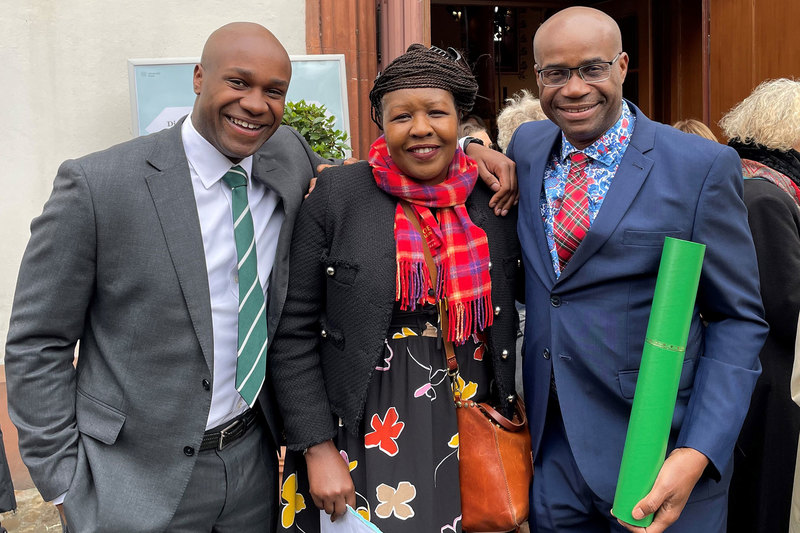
[
  {"x": 171, "y": 188},
  {"x": 267, "y": 171},
  {"x": 542, "y": 263},
  {"x": 629, "y": 178}
]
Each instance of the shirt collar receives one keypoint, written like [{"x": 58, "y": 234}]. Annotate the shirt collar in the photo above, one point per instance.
[
  {"x": 208, "y": 163},
  {"x": 607, "y": 148}
]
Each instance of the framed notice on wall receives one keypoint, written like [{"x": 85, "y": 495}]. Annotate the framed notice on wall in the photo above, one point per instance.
[{"x": 161, "y": 89}]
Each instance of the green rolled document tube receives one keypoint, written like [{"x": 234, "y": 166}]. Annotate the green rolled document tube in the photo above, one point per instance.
[{"x": 659, "y": 374}]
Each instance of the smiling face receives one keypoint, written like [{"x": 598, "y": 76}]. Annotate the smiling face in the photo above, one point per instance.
[
  {"x": 241, "y": 86},
  {"x": 572, "y": 38},
  {"x": 421, "y": 130}
]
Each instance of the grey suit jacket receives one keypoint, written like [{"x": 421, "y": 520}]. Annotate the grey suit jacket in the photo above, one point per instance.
[{"x": 116, "y": 262}]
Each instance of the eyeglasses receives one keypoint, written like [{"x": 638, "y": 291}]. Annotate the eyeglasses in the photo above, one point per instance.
[{"x": 591, "y": 73}]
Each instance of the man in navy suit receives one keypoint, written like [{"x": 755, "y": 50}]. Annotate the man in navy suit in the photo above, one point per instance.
[{"x": 587, "y": 309}]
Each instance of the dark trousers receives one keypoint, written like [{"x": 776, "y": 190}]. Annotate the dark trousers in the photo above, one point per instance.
[
  {"x": 234, "y": 490},
  {"x": 562, "y": 502}
]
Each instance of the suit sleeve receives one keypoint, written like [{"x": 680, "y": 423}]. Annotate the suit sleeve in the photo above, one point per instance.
[
  {"x": 54, "y": 288},
  {"x": 729, "y": 300},
  {"x": 294, "y": 358}
]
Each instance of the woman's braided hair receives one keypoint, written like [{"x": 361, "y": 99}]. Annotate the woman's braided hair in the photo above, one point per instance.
[{"x": 422, "y": 67}]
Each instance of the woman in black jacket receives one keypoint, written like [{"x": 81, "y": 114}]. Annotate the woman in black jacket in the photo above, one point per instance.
[
  {"x": 765, "y": 130},
  {"x": 357, "y": 363}
]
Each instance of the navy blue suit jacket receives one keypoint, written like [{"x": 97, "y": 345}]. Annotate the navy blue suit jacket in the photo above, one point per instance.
[{"x": 588, "y": 327}]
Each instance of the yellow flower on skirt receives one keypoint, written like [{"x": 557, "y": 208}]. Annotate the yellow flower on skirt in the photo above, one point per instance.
[{"x": 294, "y": 503}]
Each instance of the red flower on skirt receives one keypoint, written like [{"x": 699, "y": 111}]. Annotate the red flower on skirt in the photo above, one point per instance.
[{"x": 385, "y": 432}]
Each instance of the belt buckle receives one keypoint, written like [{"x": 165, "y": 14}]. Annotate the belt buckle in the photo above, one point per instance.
[{"x": 223, "y": 433}]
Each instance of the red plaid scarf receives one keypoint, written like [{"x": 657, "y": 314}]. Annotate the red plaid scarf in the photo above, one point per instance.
[{"x": 459, "y": 247}]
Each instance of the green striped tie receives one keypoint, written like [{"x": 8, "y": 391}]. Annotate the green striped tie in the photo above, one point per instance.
[{"x": 251, "y": 358}]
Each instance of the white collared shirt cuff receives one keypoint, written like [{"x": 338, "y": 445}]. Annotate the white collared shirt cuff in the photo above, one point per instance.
[{"x": 59, "y": 500}]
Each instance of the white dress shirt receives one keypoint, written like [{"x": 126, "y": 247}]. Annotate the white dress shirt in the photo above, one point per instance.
[{"x": 207, "y": 167}]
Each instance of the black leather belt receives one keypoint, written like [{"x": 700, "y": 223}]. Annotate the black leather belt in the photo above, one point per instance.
[{"x": 221, "y": 436}]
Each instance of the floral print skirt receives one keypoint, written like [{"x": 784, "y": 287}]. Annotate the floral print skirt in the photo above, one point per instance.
[{"x": 404, "y": 461}]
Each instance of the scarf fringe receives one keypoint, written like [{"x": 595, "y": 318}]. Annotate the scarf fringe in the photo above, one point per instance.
[
  {"x": 412, "y": 284},
  {"x": 465, "y": 318},
  {"x": 469, "y": 317}
]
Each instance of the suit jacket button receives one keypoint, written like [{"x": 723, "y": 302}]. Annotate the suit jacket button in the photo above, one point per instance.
[
  {"x": 497, "y": 310},
  {"x": 206, "y": 384},
  {"x": 546, "y": 353},
  {"x": 555, "y": 301},
  {"x": 431, "y": 292},
  {"x": 330, "y": 271},
  {"x": 189, "y": 451},
  {"x": 511, "y": 398},
  {"x": 504, "y": 354},
  {"x": 490, "y": 266},
  {"x": 323, "y": 333}
]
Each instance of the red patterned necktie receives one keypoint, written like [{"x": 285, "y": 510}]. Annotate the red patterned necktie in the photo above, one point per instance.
[{"x": 572, "y": 222}]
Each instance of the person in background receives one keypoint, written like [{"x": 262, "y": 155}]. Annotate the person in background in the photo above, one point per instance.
[
  {"x": 478, "y": 132},
  {"x": 765, "y": 131},
  {"x": 696, "y": 127},
  {"x": 358, "y": 361},
  {"x": 520, "y": 108},
  {"x": 794, "y": 515},
  {"x": 601, "y": 187}
]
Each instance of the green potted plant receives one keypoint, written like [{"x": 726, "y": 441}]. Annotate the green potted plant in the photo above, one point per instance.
[{"x": 316, "y": 125}]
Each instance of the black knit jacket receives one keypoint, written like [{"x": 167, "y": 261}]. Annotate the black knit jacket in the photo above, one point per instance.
[{"x": 341, "y": 296}]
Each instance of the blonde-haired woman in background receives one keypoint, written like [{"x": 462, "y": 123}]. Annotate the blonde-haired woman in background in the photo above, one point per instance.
[
  {"x": 520, "y": 108},
  {"x": 691, "y": 125}
]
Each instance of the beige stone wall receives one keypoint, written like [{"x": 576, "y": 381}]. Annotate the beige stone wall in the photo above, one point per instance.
[{"x": 64, "y": 87}]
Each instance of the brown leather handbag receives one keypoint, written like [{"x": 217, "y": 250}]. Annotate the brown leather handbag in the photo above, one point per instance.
[{"x": 495, "y": 464}]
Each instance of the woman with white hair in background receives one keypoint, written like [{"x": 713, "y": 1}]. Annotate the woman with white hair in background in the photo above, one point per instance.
[
  {"x": 520, "y": 108},
  {"x": 765, "y": 130}
]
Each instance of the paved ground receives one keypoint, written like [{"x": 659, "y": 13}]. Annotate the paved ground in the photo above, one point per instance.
[{"x": 33, "y": 515}]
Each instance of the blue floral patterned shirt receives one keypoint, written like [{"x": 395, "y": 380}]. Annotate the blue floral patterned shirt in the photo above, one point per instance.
[{"x": 604, "y": 155}]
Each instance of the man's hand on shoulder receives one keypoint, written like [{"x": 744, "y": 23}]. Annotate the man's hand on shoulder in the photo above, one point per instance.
[
  {"x": 323, "y": 166},
  {"x": 499, "y": 173},
  {"x": 675, "y": 482}
]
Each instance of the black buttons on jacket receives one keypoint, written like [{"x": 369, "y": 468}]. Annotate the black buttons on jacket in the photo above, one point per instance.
[
  {"x": 555, "y": 301},
  {"x": 546, "y": 353},
  {"x": 188, "y": 451},
  {"x": 206, "y": 384},
  {"x": 431, "y": 292}
]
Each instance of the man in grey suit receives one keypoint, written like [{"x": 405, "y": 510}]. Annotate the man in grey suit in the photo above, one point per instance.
[{"x": 135, "y": 257}]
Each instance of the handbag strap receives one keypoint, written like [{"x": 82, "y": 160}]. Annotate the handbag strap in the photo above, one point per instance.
[
  {"x": 517, "y": 423},
  {"x": 452, "y": 364}
]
